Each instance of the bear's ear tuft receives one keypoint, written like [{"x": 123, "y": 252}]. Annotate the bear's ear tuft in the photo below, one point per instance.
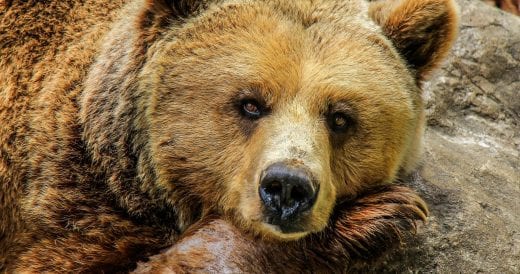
[
  {"x": 157, "y": 14},
  {"x": 423, "y": 31},
  {"x": 177, "y": 8}
]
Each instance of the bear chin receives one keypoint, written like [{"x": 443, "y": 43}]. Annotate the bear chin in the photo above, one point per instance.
[{"x": 285, "y": 234}]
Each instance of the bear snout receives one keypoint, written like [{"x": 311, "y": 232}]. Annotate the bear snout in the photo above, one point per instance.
[{"x": 288, "y": 194}]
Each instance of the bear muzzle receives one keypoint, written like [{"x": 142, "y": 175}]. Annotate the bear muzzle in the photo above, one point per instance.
[{"x": 288, "y": 193}]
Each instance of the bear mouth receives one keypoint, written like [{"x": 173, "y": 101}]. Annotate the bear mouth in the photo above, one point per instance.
[
  {"x": 289, "y": 225},
  {"x": 287, "y": 228}
]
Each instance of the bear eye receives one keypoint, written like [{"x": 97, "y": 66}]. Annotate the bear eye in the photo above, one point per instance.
[
  {"x": 251, "y": 109},
  {"x": 340, "y": 122}
]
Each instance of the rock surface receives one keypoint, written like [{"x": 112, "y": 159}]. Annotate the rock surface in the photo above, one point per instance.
[{"x": 471, "y": 172}]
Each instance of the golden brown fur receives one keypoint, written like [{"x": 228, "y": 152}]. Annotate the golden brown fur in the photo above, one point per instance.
[{"x": 119, "y": 131}]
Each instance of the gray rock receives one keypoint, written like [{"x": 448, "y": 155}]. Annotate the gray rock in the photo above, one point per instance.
[{"x": 471, "y": 171}]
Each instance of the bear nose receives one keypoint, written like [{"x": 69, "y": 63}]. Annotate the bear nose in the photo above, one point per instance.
[{"x": 287, "y": 192}]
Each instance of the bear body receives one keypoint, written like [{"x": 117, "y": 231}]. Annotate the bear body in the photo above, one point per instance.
[{"x": 124, "y": 123}]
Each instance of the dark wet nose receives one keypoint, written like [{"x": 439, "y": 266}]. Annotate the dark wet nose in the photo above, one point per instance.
[{"x": 287, "y": 192}]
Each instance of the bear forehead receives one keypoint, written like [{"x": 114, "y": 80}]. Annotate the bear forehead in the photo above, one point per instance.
[{"x": 276, "y": 49}]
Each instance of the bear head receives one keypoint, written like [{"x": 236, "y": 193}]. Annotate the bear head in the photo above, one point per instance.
[{"x": 267, "y": 111}]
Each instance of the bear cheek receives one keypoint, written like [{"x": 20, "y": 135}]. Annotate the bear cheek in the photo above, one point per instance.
[
  {"x": 241, "y": 199},
  {"x": 323, "y": 208}
]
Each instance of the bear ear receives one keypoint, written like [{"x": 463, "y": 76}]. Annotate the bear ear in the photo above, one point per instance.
[
  {"x": 423, "y": 31},
  {"x": 157, "y": 14},
  {"x": 177, "y": 8}
]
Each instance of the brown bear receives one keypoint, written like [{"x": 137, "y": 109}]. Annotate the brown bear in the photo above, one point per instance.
[{"x": 128, "y": 125}]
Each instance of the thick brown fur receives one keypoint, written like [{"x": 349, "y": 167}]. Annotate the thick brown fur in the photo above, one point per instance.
[{"x": 119, "y": 128}]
